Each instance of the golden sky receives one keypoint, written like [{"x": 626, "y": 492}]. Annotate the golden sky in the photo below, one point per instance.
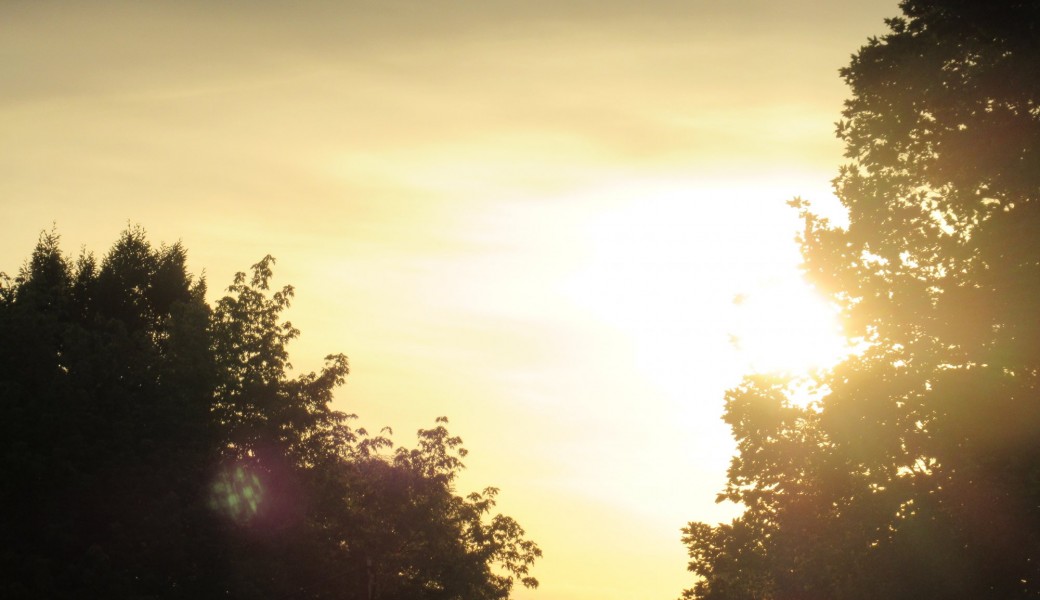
[{"x": 531, "y": 216}]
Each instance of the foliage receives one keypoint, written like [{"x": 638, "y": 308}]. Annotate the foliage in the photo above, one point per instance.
[
  {"x": 154, "y": 446},
  {"x": 417, "y": 539},
  {"x": 917, "y": 473},
  {"x": 105, "y": 383}
]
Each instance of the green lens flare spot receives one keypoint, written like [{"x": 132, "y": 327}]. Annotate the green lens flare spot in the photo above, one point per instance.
[{"x": 237, "y": 493}]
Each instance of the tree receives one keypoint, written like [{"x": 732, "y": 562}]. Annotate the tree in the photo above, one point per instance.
[
  {"x": 153, "y": 446},
  {"x": 414, "y": 538},
  {"x": 105, "y": 381},
  {"x": 916, "y": 473},
  {"x": 351, "y": 520}
]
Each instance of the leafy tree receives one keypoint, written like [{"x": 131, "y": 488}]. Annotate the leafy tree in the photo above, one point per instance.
[
  {"x": 154, "y": 447},
  {"x": 413, "y": 537},
  {"x": 916, "y": 473}
]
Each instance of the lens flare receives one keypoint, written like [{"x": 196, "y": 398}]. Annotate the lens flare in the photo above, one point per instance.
[{"x": 237, "y": 493}]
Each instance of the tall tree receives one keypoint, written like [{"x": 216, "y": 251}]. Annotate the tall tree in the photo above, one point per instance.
[
  {"x": 917, "y": 472},
  {"x": 153, "y": 447},
  {"x": 105, "y": 380}
]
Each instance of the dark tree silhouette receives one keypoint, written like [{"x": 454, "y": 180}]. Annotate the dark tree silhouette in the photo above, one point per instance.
[
  {"x": 105, "y": 387},
  {"x": 155, "y": 447},
  {"x": 916, "y": 473}
]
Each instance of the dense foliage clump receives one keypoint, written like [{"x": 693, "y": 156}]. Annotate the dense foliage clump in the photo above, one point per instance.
[
  {"x": 154, "y": 446},
  {"x": 916, "y": 472}
]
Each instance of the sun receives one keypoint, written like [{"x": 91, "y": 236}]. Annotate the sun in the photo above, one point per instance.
[
  {"x": 783, "y": 325},
  {"x": 706, "y": 284}
]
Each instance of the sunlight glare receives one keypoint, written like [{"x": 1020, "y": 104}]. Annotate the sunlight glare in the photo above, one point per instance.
[
  {"x": 706, "y": 283},
  {"x": 785, "y": 326}
]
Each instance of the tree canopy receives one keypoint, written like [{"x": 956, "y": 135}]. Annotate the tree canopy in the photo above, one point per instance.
[
  {"x": 915, "y": 471},
  {"x": 154, "y": 446}
]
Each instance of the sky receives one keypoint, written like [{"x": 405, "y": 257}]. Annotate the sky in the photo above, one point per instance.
[{"x": 533, "y": 217}]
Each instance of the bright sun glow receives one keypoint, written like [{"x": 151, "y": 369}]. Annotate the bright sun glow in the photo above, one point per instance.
[
  {"x": 705, "y": 279},
  {"x": 785, "y": 326}
]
